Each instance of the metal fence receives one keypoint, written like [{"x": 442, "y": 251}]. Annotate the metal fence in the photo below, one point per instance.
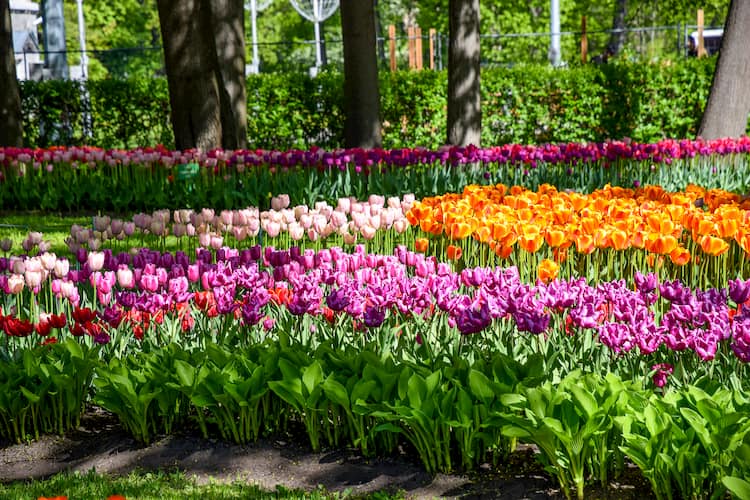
[{"x": 498, "y": 49}]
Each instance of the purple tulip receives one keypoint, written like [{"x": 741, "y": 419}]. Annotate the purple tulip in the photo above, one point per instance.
[
  {"x": 338, "y": 299},
  {"x": 739, "y": 291},
  {"x": 472, "y": 320},
  {"x": 373, "y": 316}
]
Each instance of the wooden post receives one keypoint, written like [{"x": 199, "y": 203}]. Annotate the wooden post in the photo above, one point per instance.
[
  {"x": 432, "y": 48},
  {"x": 392, "y": 46},
  {"x": 412, "y": 47},
  {"x": 418, "y": 47},
  {"x": 584, "y": 41},
  {"x": 701, "y": 50}
]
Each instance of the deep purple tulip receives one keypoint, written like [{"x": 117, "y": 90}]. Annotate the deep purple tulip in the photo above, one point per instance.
[
  {"x": 373, "y": 316},
  {"x": 126, "y": 299},
  {"x": 472, "y": 320},
  {"x": 532, "y": 322},
  {"x": 337, "y": 299}
]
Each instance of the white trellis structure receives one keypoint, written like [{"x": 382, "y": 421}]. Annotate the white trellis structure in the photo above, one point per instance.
[
  {"x": 255, "y": 6},
  {"x": 316, "y": 11}
]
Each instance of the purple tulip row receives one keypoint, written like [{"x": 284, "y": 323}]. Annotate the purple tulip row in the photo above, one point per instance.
[
  {"x": 572, "y": 153},
  {"x": 371, "y": 287}
]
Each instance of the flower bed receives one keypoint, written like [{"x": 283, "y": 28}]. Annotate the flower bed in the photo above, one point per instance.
[{"x": 601, "y": 326}]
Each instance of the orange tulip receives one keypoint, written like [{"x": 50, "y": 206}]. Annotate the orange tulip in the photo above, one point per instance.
[
  {"x": 460, "y": 230},
  {"x": 503, "y": 251},
  {"x": 661, "y": 243},
  {"x": 547, "y": 270},
  {"x": 421, "y": 245},
  {"x": 584, "y": 243},
  {"x": 454, "y": 252},
  {"x": 619, "y": 239},
  {"x": 743, "y": 240},
  {"x": 727, "y": 228},
  {"x": 483, "y": 234},
  {"x": 116, "y": 497},
  {"x": 713, "y": 246},
  {"x": 531, "y": 239},
  {"x": 680, "y": 256},
  {"x": 555, "y": 237}
]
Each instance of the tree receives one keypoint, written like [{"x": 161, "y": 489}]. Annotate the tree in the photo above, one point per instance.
[
  {"x": 228, "y": 20},
  {"x": 11, "y": 128},
  {"x": 464, "y": 112},
  {"x": 617, "y": 38},
  {"x": 728, "y": 105},
  {"x": 206, "y": 87},
  {"x": 361, "y": 91}
]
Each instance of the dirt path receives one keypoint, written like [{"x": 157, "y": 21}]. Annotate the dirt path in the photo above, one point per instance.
[{"x": 100, "y": 444}]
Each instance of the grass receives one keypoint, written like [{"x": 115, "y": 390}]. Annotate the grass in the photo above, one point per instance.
[
  {"x": 160, "y": 486},
  {"x": 55, "y": 228}
]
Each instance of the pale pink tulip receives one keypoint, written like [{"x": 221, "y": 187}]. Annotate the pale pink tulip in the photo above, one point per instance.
[
  {"x": 95, "y": 260},
  {"x": 62, "y": 267},
  {"x": 15, "y": 284}
]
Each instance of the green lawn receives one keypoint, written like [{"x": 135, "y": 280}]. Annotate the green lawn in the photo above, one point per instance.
[{"x": 157, "y": 486}]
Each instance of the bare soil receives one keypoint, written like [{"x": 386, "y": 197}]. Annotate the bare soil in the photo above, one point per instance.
[{"x": 102, "y": 445}]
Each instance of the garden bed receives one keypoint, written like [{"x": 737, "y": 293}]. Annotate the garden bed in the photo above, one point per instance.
[{"x": 100, "y": 444}]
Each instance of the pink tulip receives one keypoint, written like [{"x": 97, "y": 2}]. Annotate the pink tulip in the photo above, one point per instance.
[
  {"x": 125, "y": 277},
  {"x": 15, "y": 284},
  {"x": 193, "y": 273},
  {"x": 149, "y": 282},
  {"x": 273, "y": 229}
]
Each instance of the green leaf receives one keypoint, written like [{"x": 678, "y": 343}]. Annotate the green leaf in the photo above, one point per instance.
[
  {"x": 185, "y": 373},
  {"x": 584, "y": 399},
  {"x": 336, "y": 392},
  {"x": 737, "y": 486},
  {"x": 312, "y": 376},
  {"x": 480, "y": 386}
]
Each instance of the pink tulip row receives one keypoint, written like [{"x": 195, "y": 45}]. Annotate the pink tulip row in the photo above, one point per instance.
[
  {"x": 349, "y": 219},
  {"x": 662, "y": 152}
]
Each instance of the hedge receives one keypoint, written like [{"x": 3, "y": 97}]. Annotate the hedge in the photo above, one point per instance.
[{"x": 524, "y": 104}]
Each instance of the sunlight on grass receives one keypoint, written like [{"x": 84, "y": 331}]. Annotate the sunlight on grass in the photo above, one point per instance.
[{"x": 158, "y": 486}]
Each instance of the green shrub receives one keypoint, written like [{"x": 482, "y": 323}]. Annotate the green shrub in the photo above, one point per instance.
[{"x": 527, "y": 104}]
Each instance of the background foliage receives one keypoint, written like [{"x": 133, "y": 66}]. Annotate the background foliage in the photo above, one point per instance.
[{"x": 524, "y": 104}]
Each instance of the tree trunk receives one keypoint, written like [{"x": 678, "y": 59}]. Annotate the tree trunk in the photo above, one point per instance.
[
  {"x": 617, "y": 38},
  {"x": 464, "y": 110},
  {"x": 728, "y": 103},
  {"x": 361, "y": 91},
  {"x": 228, "y": 21},
  {"x": 11, "y": 129},
  {"x": 192, "y": 69}
]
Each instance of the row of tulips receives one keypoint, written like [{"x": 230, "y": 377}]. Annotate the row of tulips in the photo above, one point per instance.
[
  {"x": 131, "y": 181},
  {"x": 621, "y": 227},
  {"x": 697, "y": 235},
  {"x": 123, "y": 298},
  {"x": 665, "y": 151},
  {"x": 349, "y": 220}
]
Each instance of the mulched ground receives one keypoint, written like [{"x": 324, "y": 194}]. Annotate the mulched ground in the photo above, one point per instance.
[{"x": 102, "y": 445}]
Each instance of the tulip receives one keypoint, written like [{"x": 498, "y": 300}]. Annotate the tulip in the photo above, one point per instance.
[{"x": 95, "y": 261}]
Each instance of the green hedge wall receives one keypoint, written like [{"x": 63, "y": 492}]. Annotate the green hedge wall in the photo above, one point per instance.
[{"x": 525, "y": 104}]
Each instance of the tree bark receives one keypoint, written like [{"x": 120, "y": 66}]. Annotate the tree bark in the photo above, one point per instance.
[
  {"x": 192, "y": 69},
  {"x": 464, "y": 107},
  {"x": 228, "y": 21},
  {"x": 361, "y": 90},
  {"x": 617, "y": 38},
  {"x": 728, "y": 103},
  {"x": 11, "y": 128}
]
